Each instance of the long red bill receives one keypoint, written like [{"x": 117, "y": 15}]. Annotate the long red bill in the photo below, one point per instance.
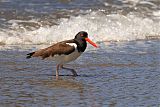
[{"x": 92, "y": 43}]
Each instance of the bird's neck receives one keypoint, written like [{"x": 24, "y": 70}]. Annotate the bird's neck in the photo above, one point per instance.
[{"x": 81, "y": 45}]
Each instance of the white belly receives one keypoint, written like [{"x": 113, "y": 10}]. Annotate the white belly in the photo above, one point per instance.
[{"x": 61, "y": 59}]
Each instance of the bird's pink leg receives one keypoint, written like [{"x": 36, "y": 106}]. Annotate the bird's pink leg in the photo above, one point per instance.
[
  {"x": 57, "y": 72},
  {"x": 72, "y": 70}
]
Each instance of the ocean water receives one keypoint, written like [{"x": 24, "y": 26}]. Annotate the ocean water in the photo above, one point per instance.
[{"x": 123, "y": 72}]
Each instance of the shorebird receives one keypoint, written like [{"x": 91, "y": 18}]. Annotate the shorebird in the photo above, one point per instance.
[{"x": 65, "y": 51}]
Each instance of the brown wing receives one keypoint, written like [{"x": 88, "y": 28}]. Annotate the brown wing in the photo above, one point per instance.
[{"x": 56, "y": 49}]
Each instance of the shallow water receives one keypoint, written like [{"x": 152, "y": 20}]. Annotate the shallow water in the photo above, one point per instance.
[{"x": 118, "y": 74}]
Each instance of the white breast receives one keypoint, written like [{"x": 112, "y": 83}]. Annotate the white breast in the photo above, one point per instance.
[{"x": 62, "y": 59}]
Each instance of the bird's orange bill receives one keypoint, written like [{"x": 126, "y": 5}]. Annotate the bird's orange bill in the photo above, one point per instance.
[{"x": 92, "y": 43}]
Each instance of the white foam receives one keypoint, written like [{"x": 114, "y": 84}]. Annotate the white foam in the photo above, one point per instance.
[
  {"x": 100, "y": 27},
  {"x": 157, "y": 13}
]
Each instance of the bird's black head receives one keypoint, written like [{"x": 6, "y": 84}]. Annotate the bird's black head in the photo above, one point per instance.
[
  {"x": 81, "y": 39},
  {"x": 81, "y": 35}
]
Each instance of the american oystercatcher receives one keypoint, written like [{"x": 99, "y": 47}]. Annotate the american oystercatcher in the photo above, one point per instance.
[{"x": 65, "y": 51}]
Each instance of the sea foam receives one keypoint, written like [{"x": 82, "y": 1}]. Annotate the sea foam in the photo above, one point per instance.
[{"x": 100, "y": 27}]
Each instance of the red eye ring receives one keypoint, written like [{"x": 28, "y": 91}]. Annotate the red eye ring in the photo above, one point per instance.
[{"x": 81, "y": 35}]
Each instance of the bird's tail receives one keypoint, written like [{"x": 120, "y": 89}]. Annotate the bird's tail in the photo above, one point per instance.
[{"x": 29, "y": 55}]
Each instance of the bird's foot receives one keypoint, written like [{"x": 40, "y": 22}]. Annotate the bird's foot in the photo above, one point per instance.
[{"x": 72, "y": 70}]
